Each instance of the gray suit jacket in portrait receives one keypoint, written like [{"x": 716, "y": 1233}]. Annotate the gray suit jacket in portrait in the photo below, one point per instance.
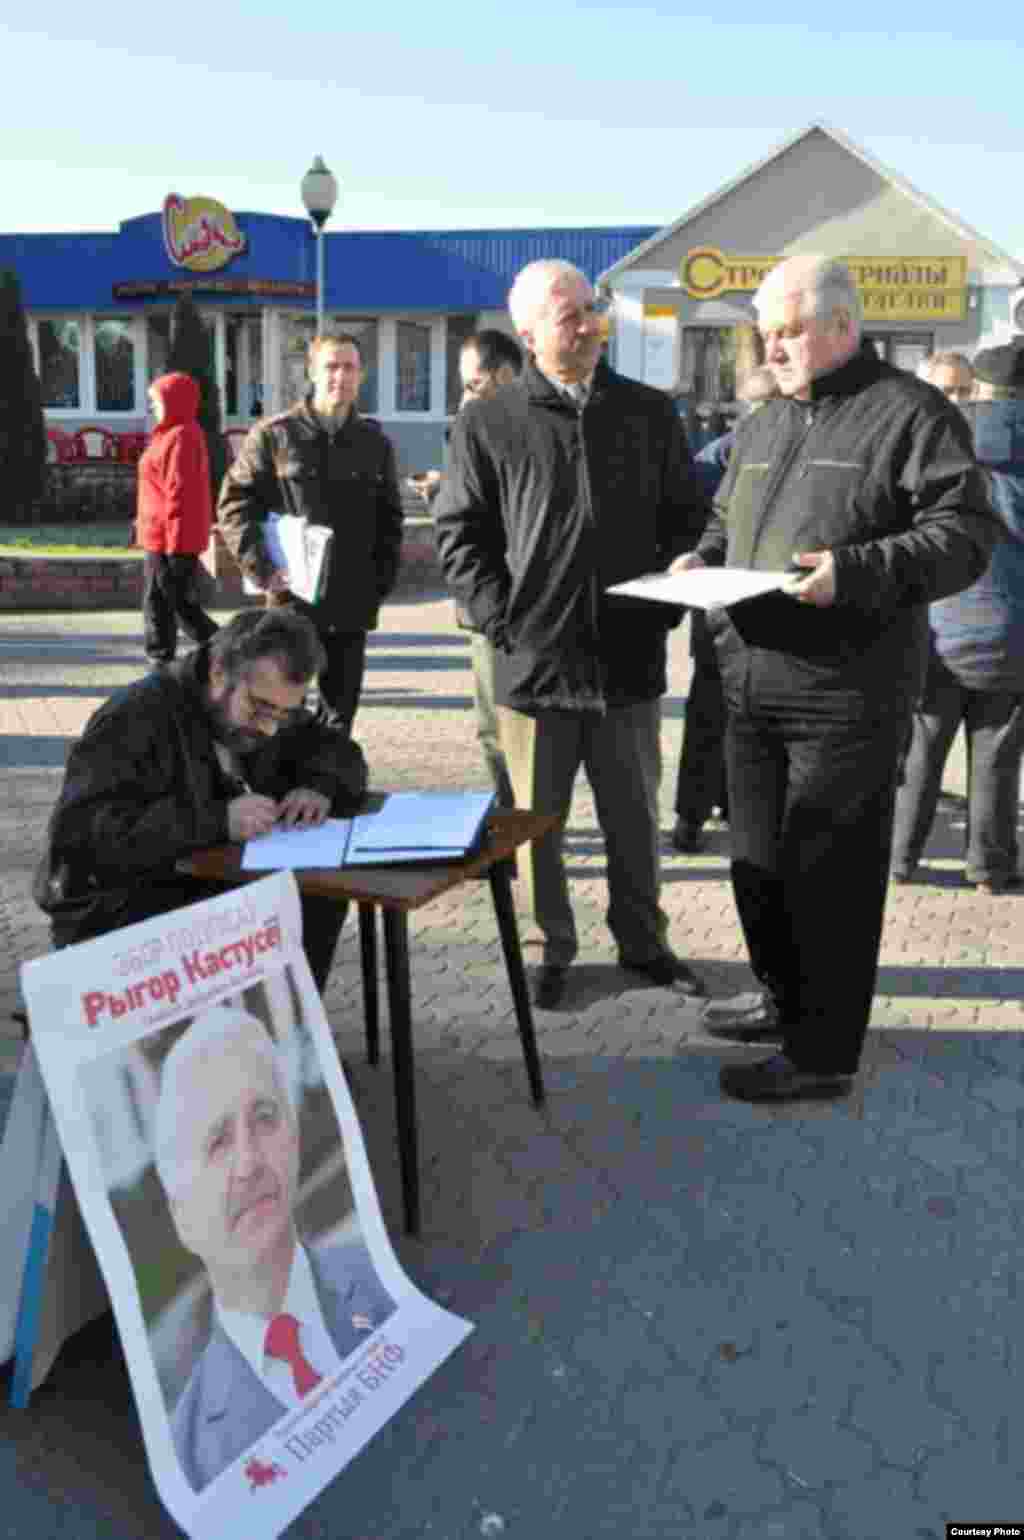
[{"x": 225, "y": 1407}]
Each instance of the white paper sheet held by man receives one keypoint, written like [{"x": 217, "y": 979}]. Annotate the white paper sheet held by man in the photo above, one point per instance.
[{"x": 703, "y": 588}]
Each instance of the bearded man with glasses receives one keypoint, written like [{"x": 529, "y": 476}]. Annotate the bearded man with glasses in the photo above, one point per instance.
[{"x": 216, "y": 747}]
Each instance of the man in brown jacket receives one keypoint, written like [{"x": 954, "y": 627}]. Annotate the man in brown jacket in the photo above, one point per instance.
[{"x": 323, "y": 461}]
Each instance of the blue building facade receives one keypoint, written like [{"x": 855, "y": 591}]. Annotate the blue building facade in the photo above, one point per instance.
[{"x": 99, "y": 308}]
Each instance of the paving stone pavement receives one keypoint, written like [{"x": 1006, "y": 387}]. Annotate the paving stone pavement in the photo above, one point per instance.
[{"x": 693, "y": 1318}]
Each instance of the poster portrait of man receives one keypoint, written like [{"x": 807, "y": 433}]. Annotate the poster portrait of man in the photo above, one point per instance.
[
  {"x": 271, "y": 1284},
  {"x": 190, "y": 1079}
]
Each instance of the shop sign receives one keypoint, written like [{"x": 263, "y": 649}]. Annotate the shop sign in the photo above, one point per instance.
[
  {"x": 200, "y": 233},
  {"x": 891, "y": 288},
  {"x": 267, "y": 288}
]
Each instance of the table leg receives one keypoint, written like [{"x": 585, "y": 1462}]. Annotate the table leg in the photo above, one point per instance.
[
  {"x": 504, "y": 909},
  {"x": 368, "y": 958},
  {"x": 396, "y": 945}
]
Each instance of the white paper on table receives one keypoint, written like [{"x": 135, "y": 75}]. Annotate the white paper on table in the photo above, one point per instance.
[
  {"x": 703, "y": 588},
  {"x": 287, "y": 849}
]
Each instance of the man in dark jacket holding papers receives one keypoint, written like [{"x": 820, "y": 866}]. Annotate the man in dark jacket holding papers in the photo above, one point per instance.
[
  {"x": 861, "y": 478},
  {"x": 217, "y": 747},
  {"x": 325, "y": 462}
]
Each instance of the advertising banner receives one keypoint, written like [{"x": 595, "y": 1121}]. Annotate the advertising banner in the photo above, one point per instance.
[{"x": 220, "y": 1169}]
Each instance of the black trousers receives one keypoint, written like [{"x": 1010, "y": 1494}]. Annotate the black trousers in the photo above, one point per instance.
[
  {"x": 341, "y": 682},
  {"x": 322, "y": 918},
  {"x": 810, "y": 811},
  {"x": 994, "y": 728},
  {"x": 170, "y": 593},
  {"x": 700, "y": 781}
]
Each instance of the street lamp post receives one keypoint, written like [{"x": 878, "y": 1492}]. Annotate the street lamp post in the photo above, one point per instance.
[{"x": 319, "y": 194}]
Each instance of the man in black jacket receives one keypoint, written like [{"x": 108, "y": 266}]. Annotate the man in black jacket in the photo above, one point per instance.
[
  {"x": 217, "y": 747},
  {"x": 863, "y": 480},
  {"x": 570, "y": 479},
  {"x": 323, "y": 461}
]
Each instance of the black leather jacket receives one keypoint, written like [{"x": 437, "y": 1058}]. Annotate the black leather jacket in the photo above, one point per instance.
[
  {"x": 346, "y": 480},
  {"x": 878, "y": 468}
]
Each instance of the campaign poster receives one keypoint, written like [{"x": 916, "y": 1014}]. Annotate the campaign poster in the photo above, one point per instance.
[{"x": 221, "y": 1172}]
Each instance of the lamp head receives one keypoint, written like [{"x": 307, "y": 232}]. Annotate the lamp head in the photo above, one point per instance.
[{"x": 319, "y": 192}]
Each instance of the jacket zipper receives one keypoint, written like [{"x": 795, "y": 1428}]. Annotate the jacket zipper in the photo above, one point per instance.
[{"x": 601, "y": 704}]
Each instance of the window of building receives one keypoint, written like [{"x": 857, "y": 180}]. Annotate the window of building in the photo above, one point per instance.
[
  {"x": 60, "y": 345},
  {"x": 412, "y": 371},
  {"x": 158, "y": 345},
  {"x": 114, "y": 356},
  {"x": 904, "y": 350},
  {"x": 459, "y": 328}
]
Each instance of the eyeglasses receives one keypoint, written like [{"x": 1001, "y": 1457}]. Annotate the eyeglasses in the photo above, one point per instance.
[{"x": 260, "y": 710}]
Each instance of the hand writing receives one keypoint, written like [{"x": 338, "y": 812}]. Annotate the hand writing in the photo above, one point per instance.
[
  {"x": 251, "y": 815},
  {"x": 303, "y": 809},
  {"x": 688, "y": 563}
]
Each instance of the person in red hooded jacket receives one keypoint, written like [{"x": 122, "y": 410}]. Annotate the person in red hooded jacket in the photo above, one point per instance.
[{"x": 174, "y": 517}]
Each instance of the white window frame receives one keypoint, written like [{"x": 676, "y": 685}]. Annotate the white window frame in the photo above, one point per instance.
[{"x": 387, "y": 391}]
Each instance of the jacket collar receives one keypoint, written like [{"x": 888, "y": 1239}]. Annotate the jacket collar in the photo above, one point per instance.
[
  {"x": 862, "y": 368},
  {"x": 307, "y": 411},
  {"x": 539, "y": 388}
]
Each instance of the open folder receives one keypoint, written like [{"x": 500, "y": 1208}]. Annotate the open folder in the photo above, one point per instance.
[
  {"x": 409, "y": 827},
  {"x": 301, "y": 549}
]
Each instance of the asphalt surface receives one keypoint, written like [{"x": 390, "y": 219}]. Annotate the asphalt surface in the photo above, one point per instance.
[{"x": 694, "y": 1318}]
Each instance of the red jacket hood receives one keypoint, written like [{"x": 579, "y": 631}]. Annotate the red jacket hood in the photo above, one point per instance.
[{"x": 180, "y": 396}]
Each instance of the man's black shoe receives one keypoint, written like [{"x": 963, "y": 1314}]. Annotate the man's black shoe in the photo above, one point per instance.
[
  {"x": 687, "y": 838},
  {"x": 668, "y": 971},
  {"x": 548, "y": 986},
  {"x": 779, "y": 1080},
  {"x": 749, "y": 1018}
]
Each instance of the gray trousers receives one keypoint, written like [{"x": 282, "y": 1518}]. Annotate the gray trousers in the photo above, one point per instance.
[
  {"x": 621, "y": 753},
  {"x": 481, "y": 653}
]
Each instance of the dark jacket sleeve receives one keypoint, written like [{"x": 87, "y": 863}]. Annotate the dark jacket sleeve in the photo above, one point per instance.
[
  {"x": 953, "y": 527},
  {"x": 470, "y": 535},
  {"x": 712, "y": 544},
  {"x": 248, "y": 493},
  {"x": 123, "y": 810},
  {"x": 390, "y": 518},
  {"x": 314, "y": 756},
  {"x": 684, "y": 508}
]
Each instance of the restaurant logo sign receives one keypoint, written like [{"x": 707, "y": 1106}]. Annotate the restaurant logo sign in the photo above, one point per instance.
[
  {"x": 892, "y": 288},
  {"x": 199, "y": 233}
]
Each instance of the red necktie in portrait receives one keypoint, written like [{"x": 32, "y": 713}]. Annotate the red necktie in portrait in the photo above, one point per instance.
[{"x": 282, "y": 1341}]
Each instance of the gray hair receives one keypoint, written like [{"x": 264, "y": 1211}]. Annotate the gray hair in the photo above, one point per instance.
[
  {"x": 532, "y": 287},
  {"x": 220, "y": 1025},
  {"x": 826, "y": 283}
]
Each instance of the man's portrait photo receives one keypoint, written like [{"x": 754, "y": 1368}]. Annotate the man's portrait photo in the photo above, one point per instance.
[{"x": 237, "y": 1212}]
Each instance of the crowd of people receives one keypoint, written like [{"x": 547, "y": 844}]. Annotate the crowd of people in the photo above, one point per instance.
[{"x": 819, "y": 716}]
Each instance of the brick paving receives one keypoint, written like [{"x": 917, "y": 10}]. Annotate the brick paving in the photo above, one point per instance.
[{"x": 694, "y": 1318}]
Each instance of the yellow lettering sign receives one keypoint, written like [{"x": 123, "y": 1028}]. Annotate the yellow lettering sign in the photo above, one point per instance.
[{"x": 893, "y": 288}]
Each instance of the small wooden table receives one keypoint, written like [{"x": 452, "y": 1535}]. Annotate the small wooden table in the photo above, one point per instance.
[{"x": 395, "y": 890}]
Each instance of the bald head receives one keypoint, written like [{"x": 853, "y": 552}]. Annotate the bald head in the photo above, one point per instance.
[{"x": 809, "y": 315}]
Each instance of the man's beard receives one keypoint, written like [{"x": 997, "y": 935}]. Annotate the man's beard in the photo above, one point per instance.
[{"x": 237, "y": 739}]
